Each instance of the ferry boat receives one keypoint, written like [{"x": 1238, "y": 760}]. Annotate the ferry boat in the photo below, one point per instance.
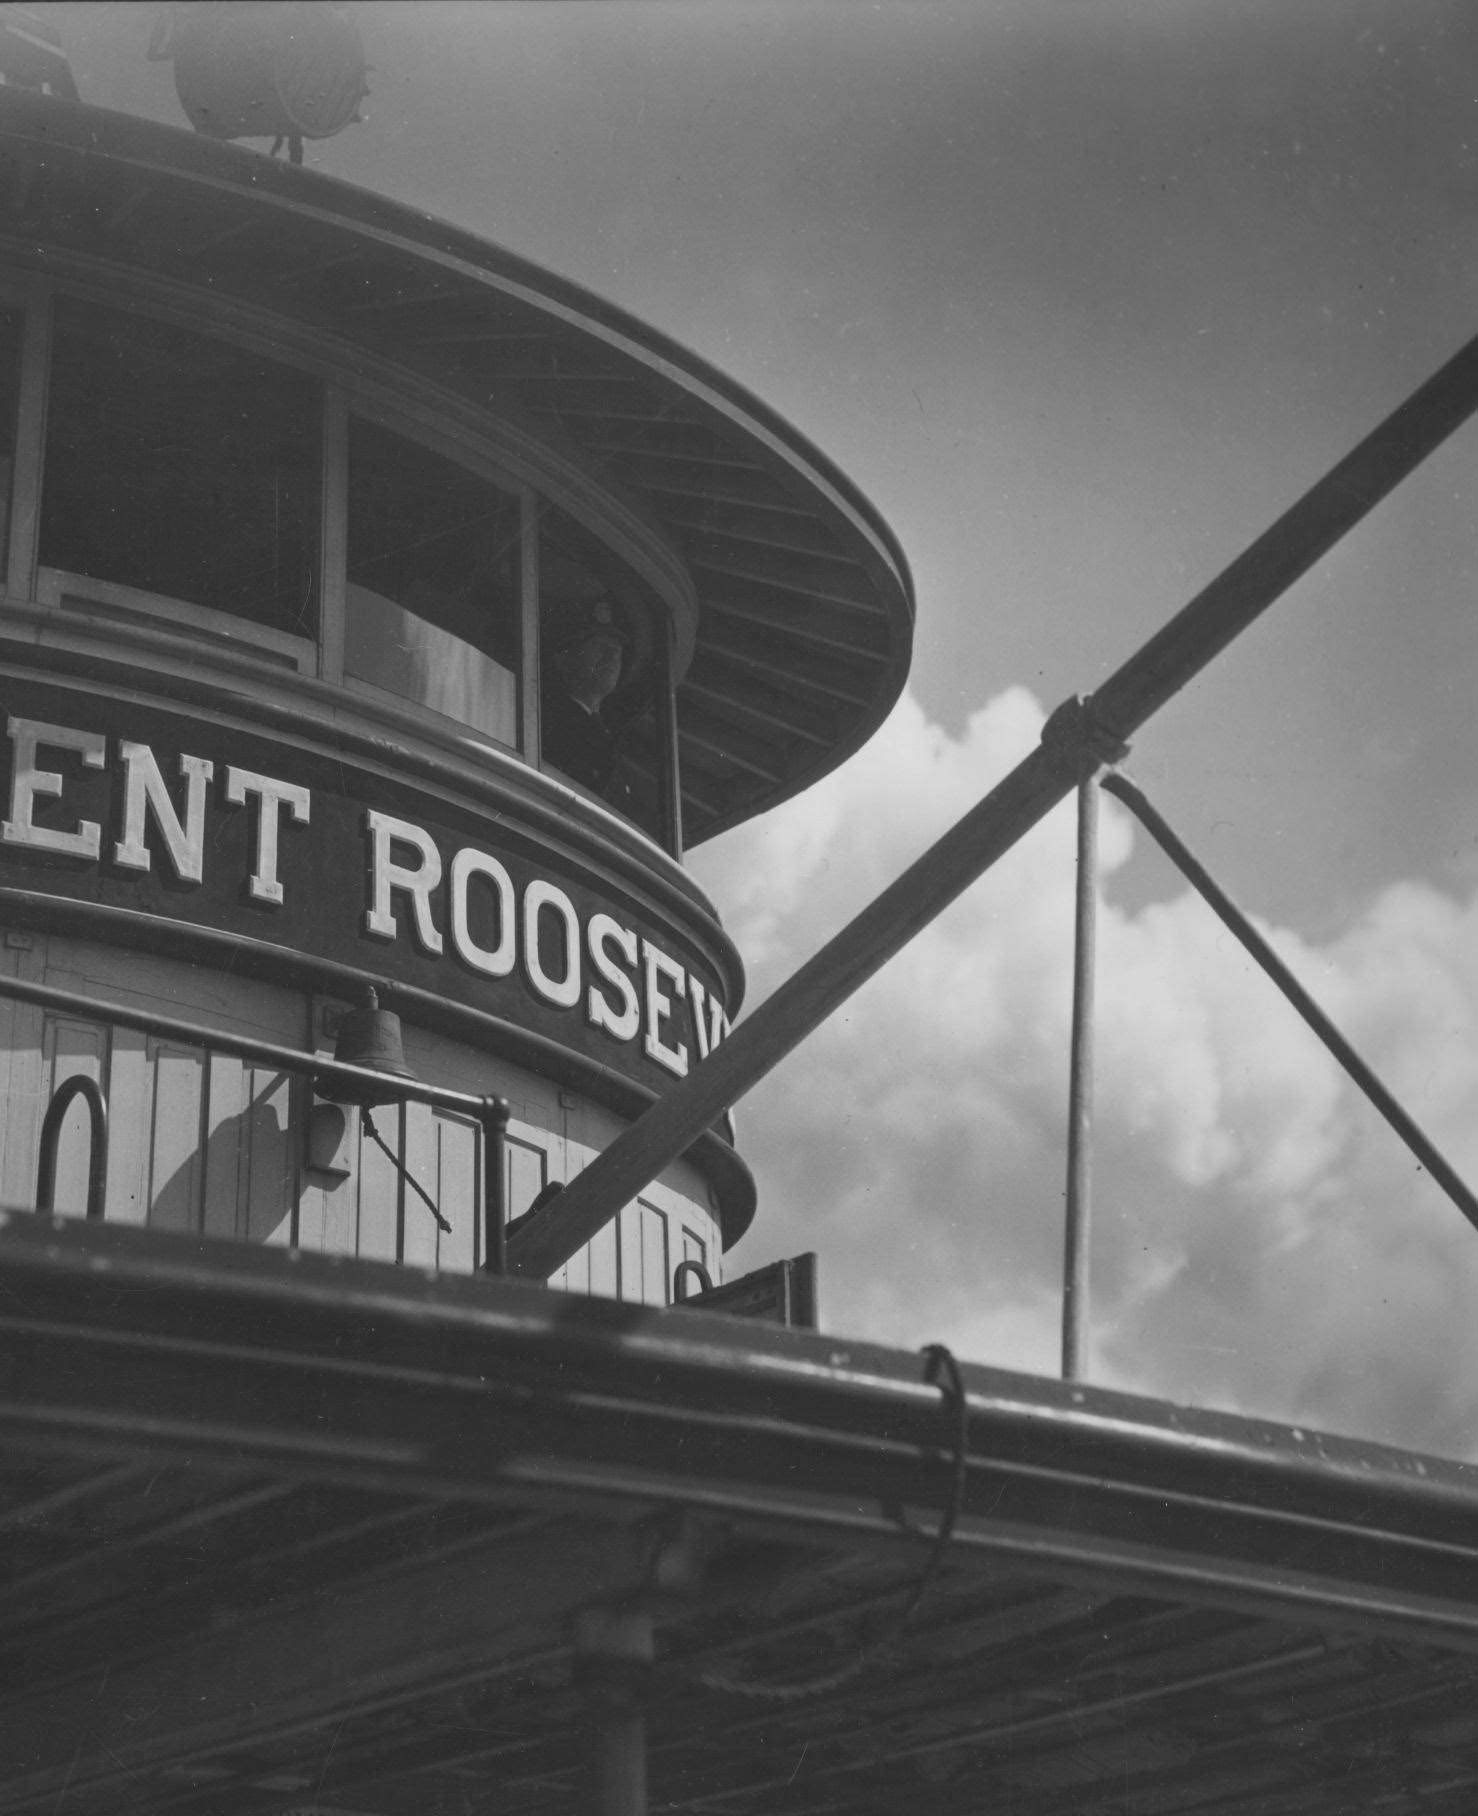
[{"x": 384, "y": 618}]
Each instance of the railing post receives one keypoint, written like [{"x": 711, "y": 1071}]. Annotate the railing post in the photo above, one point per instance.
[
  {"x": 78, "y": 1085},
  {"x": 1079, "y": 1196},
  {"x": 494, "y": 1121},
  {"x": 613, "y": 1665}
]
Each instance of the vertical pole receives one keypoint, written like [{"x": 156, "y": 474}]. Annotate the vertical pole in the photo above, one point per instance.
[
  {"x": 619, "y": 1731},
  {"x": 613, "y": 1661},
  {"x": 1076, "y": 1233},
  {"x": 494, "y": 1121}
]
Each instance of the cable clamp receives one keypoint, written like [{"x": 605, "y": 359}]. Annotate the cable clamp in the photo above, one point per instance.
[{"x": 1078, "y": 742}]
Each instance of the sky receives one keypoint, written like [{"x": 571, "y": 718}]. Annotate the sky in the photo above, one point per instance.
[{"x": 1083, "y": 294}]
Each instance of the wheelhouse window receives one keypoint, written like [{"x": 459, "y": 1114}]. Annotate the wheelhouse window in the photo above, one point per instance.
[
  {"x": 182, "y": 466},
  {"x": 599, "y": 677},
  {"x": 10, "y": 347},
  {"x": 432, "y": 585},
  {"x": 184, "y": 486}
]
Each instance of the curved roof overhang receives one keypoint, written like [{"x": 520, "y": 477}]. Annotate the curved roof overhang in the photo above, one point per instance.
[{"x": 805, "y": 604}]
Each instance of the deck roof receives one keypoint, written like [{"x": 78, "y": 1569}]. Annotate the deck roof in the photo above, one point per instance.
[
  {"x": 293, "y": 1533},
  {"x": 804, "y": 596}
]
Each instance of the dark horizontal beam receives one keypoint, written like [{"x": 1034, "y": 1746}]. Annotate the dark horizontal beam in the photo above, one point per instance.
[{"x": 459, "y": 1389}]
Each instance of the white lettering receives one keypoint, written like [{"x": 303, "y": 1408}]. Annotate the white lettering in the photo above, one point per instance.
[
  {"x": 273, "y": 796},
  {"x": 563, "y": 992},
  {"x": 387, "y": 876},
  {"x": 657, "y": 966},
  {"x": 602, "y": 933},
  {"x": 27, "y": 781},
  {"x": 710, "y": 1024},
  {"x": 145, "y": 791},
  {"x": 498, "y": 962}
]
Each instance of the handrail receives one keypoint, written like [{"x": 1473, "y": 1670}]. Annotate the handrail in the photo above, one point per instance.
[
  {"x": 239, "y": 1046},
  {"x": 1079, "y": 735},
  {"x": 680, "y": 1279},
  {"x": 78, "y": 1085},
  {"x": 490, "y": 1113}
]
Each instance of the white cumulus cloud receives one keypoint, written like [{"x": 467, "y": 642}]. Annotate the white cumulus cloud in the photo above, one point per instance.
[{"x": 1262, "y": 1240}]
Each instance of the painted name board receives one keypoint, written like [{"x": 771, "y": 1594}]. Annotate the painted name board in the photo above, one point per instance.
[{"x": 197, "y": 825}]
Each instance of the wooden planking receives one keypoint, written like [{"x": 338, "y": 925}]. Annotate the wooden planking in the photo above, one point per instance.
[
  {"x": 817, "y": 580},
  {"x": 271, "y": 1156},
  {"x": 458, "y": 1159},
  {"x": 862, "y": 644},
  {"x": 769, "y": 710},
  {"x": 21, "y": 1034},
  {"x": 740, "y": 648},
  {"x": 746, "y": 524},
  {"x": 655, "y": 1252},
  {"x": 420, "y": 1239},
  {"x": 250, "y": 1170},
  {"x": 130, "y": 1108},
  {"x": 712, "y": 508},
  {"x": 441, "y": 1152},
  {"x": 694, "y": 1247},
  {"x": 227, "y": 1180},
  {"x": 176, "y": 1176},
  {"x": 206, "y": 1144},
  {"x": 638, "y": 459},
  {"x": 701, "y": 734},
  {"x": 526, "y": 1171},
  {"x": 378, "y": 1224},
  {"x": 605, "y": 1263}
]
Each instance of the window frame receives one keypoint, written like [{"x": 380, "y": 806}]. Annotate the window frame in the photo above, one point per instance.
[
  {"x": 81, "y": 603},
  {"x": 32, "y": 297},
  {"x": 59, "y": 589},
  {"x": 339, "y": 406}
]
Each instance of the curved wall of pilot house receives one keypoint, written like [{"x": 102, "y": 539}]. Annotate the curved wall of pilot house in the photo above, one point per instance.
[{"x": 382, "y": 613}]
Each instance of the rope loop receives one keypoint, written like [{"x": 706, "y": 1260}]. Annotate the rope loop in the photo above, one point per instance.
[{"x": 941, "y": 1370}]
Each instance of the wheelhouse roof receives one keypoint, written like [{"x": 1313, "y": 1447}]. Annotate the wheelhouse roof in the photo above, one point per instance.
[{"x": 805, "y": 599}]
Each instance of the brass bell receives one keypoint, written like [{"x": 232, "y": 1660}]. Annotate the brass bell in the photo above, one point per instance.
[{"x": 368, "y": 1037}]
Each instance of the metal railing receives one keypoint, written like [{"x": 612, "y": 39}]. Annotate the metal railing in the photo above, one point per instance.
[{"x": 490, "y": 1114}]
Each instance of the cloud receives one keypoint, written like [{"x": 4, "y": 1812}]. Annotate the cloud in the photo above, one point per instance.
[{"x": 1262, "y": 1241}]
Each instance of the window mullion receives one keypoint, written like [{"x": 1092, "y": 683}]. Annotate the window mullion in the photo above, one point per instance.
[
  {"x": 528, "y": 626},
  {"x": 30, "y": 443},
  {"x": 335, "y": 536}
]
